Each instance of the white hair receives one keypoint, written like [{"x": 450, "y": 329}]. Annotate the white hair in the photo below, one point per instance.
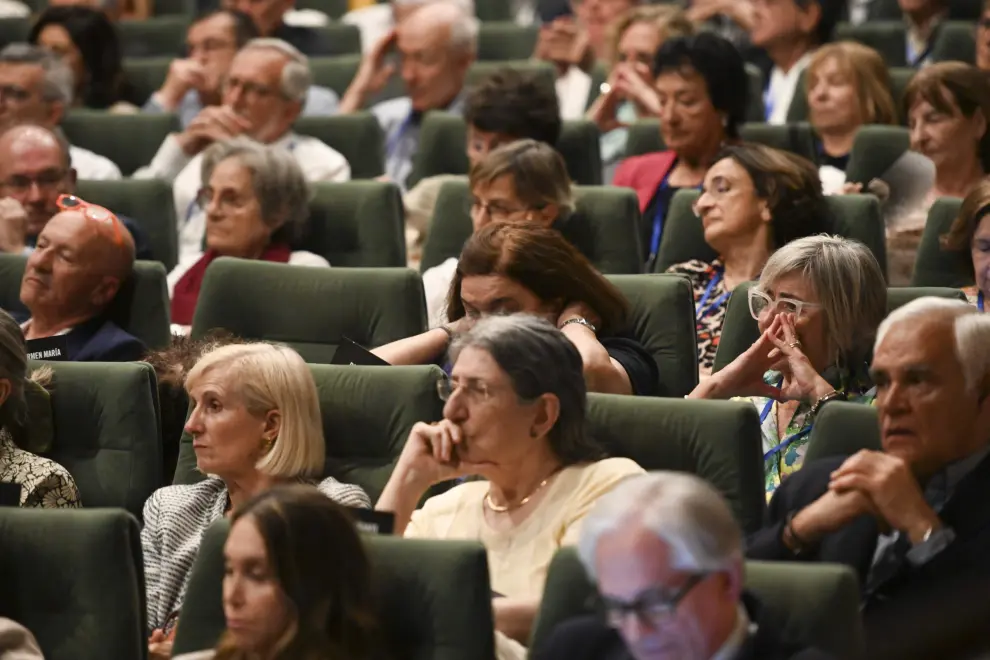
[
  {"x": 296, "y": 76},
  {"x": 459, "y": 15},
  {"x": 58, "y": 84},
  {"x": 680, "y": 509},
  {"x": 970, "y": 327}
]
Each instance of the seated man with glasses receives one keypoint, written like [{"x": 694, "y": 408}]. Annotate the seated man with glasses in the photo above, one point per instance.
[
  {"x": 667, "y": 557},
  {"x": 35, "y": 169},
  {"x": 818, "y": 303},
  {"x": 261, "y": 97},
  {"x": 83, "y": 257}
]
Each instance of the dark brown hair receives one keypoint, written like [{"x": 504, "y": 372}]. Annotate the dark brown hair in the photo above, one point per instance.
[
  {"x": 950, "y": 87},
  {"x": 975, "y": 206},
  {"x": 540, "y": 259},
  {"x": 314, "y": 549}
]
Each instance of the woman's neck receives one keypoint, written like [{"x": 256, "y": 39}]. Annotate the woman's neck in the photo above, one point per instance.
[
  {"x": 957, "y": 177},
  {"x": 745, "y": 260},
  {"x": 787, "y": 54},
  {"x": 520, "y": 479},
  {"x": 838, "y": 143},
  {"x": 692, "y": 166},
  {"x": 241, "y": 489}
]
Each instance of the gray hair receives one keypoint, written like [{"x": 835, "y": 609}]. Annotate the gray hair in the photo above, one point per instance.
[
  {"x": 13, "y": 367},
  {"x": 539, "y": 360},
  {"x": 59, "y": 83},
  {"x": 970, "y": 327},
  {"x": 680, "y": 509},
  {"x": 278, "y": 182},
  {"x": 848, "y": 282},
  {"x": 463, "y": 24},
  {"x": 296, "y": 76}
]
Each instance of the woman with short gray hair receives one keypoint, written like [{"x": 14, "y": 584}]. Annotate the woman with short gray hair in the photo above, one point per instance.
[
  {"x": 256, "y": 200},
  {"x": 818, "y": 303},
  {"x": 514, "y": 416},
  {"x": 28, "y": 480}
]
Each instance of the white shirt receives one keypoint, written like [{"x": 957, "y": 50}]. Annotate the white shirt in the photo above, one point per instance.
[
  {"x": 436, "y": 284},
  {"x": 318, "y": 162},
  {"x": 780, "y": 92},
  {"x": 573, "y": 89},
  {"x": 92, "y": 167}
]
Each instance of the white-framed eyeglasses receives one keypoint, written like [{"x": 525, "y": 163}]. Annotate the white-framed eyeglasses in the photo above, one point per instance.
[{"x": 760, "y": 301}]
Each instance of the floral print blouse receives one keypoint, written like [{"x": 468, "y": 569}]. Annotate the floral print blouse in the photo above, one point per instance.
[
  {"x": 706, "y": 277},
  {"x": 44, "y": 483}
]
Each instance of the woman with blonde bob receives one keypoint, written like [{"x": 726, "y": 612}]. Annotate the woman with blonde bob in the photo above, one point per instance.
[
  {"x": 818, "y": 303},
  {"x": 255, "y": 423},
  {"x": 521, "y": 182},
  {"x": 848, "y": 86}
]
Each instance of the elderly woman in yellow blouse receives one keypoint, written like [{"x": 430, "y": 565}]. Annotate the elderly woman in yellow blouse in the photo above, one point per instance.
[
  {"x": 515, "y": 417},
  {"x": 256, "y": 200},
  {"x": 971, "y": 232},
  {"x": 818, "y": 304}
]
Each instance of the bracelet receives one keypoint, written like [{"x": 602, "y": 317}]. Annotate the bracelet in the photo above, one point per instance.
[
  {"x": 800, "y": 546},
  {"x": 825, "y": 398},
  {"x": 581, "y": 321}
]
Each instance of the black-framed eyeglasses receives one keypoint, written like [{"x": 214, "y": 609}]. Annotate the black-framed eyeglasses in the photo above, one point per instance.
[{"x": 653, "y": 606}]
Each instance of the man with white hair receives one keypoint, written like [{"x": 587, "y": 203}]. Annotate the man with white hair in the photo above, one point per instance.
[
  {"x": 262, "y": 96},
  {"x": 436, "y": 44},
  {"x": 666, "y": 554},
  {"x": 913, "y": 519},
  {"x": 36, "y": 87}
]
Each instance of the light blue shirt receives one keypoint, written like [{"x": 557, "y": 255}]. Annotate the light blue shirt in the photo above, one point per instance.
[{"x": 320, "y": 102}]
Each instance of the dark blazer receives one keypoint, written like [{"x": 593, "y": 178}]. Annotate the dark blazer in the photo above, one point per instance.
[
  {"x": 903, "y": 612},
  {"x": 588, "y": 638},
  {"x": 100, "y": 340}
]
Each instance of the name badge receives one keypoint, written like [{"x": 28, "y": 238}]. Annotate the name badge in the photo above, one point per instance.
[
  {"x": 369, "y": 521},
  {"x": 48, "y": 348}
]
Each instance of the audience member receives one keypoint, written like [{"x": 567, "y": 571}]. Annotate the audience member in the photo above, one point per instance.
[
  {"x": 255, "y": 423},
  {"x": 83, "y": 257},
  {"x": 922, "y": 19},
  {"x": 268, "y": 17},
  {"x": 514, "y": 415},
  {"x": 196, "y": 81},
  {"x": 702, "y": 90},
  {"x": 38, "y": 87},
  {"x": 262, "y": 97},
  {"x": 35, "y": 171},
  {"x": 87, "y": 41},
  {"x": 256, "y": 201},
  {"x": 818, "y": 304},
  {"x": 437, "y": 44},
  {"x": 754, "y": 200},
  {"x": 969, "y": 232},
  {"x": 115, "y": 10},
  {"x": 666, "y": 555},
  {"x": 297, "y": 582},
  {"x": 948, "y": 105},
  {"x": 376, "y": 19},
  {"x": 42, "y": 482},
  {"x": 789, "y": 31},
  {"x": 523, "y": 182},
  {"x": 848, "y": 86},
  {"x": 629, "y": 93},
  {"x": 504, "y": 107},
  {"x": 508, "y": 267},
  {"x": 912, "y": 518},
  {"x": 726, "y": 18}
]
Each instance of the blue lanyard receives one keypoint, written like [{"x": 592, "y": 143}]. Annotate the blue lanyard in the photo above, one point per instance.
[
  {"x": 915, "y": 59},
  {"x": 786, "y": 442},
  {"x": 705, "y": 311},
  {"x": 767, "y": 104},
  {"x": 658, "y": 217},
  {"x": 979, "y": 300}
]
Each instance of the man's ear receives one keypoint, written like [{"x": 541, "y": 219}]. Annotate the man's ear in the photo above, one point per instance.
[
  {"x": 105, "y": 292},
  {"x": 809, "y": 17},
  {"x": 56, "y": 110}
]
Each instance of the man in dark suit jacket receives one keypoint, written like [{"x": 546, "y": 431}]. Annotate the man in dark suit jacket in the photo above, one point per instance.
[
  {"x": 81, "y": 260},
  {"x": 913, "y": 520},
  {"x": 666, "y": 553}
]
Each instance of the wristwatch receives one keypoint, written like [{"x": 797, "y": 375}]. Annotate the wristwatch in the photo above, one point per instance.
[{"x": 580, "y": 320}]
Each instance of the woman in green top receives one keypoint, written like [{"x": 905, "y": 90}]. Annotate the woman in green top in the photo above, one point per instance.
[{"x": 818, "y": 303}]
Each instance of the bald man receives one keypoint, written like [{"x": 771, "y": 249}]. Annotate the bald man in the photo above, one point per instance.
[
  {"x": 437, "y": 44},
  {"x": 34, "y": 171},
  {"x": 71, "y": 278}
]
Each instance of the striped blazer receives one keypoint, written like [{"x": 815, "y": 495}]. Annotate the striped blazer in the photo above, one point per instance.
[{"x": 175, "y": 518}]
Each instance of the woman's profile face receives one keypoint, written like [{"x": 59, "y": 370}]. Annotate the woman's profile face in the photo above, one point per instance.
[
  {"x": 228, "y": 439},
  {"x": 833, "y": 101},
  {"x": 257, "y": 610},
  {"x": 688, "y": 120},
  {"x": 637, "y": 46},
  {"x": 234, "y": 226},
  {"x": 980, "y": 248},
  {"x": 483, "y": 295},
  {"x": 944, "y": 136},
  {"x": 729, "y": 207},
  {"x": 810, "y": 323},
  {"x": 497, "y": 201},
  {"x": 56, "y": 39}
]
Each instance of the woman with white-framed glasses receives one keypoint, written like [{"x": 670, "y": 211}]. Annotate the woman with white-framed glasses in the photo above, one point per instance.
[
  {"x": 514, "y": 416},
  {"x": 818, "y": 303}
]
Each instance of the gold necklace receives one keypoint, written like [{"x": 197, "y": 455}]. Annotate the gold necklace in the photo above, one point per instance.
[{"x": 497, "y": 508}]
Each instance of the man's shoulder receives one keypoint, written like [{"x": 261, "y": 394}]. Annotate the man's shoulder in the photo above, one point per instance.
[
  {"x": 91, "y": 165},
  {"x": 108, "y": 342}
]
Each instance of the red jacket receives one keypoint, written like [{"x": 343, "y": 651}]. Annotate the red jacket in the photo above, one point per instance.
[{"x": 644, "y": 174}]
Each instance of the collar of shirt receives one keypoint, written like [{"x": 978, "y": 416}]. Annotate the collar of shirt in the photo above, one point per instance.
[
  {"x": 783, "y": 85},
  {"x": 734, "y": 643},
  {"x": 918, "y": 36},
  {"x": 944, "y": 483},
  {"x": 27, "y": 324},
  {"x": 287, "y": 141}
]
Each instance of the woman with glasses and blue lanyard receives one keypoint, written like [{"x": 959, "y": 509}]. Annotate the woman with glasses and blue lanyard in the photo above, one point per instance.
[
  {"x": 754, "y": 200},
  {"x": 818, "y": 304},
  {"x": 702, "y": 90},
  {"x": 971, "y": 232}
]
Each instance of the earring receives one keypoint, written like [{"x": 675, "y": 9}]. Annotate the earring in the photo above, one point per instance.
[{"x": 270, "y": 444}]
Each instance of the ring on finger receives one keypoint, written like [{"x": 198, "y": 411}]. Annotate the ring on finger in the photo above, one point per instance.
[{"x": 794, "y": 344}]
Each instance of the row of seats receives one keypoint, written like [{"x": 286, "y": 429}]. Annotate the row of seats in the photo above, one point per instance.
[{"x": 75, "y": 579}]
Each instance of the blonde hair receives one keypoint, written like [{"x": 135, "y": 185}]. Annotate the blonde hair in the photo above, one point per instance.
[
  {"x": 869, "y": 76},
  {"x": 669, "y": 21},
  {"x": 271, "y": 377},
  {"x": 538, "y": 173}
]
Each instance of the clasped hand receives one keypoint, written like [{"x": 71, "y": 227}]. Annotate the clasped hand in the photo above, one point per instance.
[{"x": 434, "y": 453}]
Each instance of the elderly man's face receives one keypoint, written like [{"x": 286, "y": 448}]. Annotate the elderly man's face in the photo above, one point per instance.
[
  {"x": 21, "y": 95},
  {"x": 635, "y": 578},
  {"x": 67, "y": 274},
  {"x": 34, "y": 172},
  {"x": 253, "y": 89},
  {"x": 433, "y": 73},
  {"x": 927, "y": 415}
]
